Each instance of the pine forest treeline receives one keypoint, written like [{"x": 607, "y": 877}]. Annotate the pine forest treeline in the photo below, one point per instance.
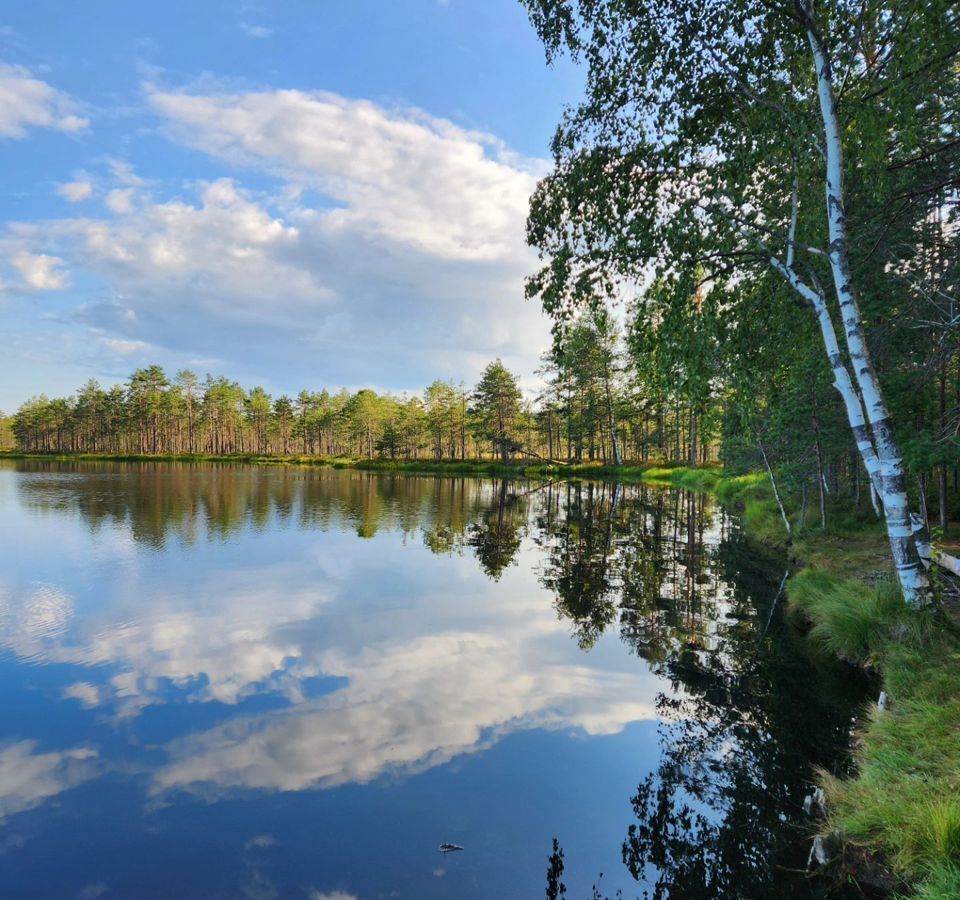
[
  {"x": 595, "y": 407},
  {"x": 683, "y": 381}
]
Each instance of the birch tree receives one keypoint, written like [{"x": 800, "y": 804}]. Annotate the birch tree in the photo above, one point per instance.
[{"x": 713, "y": 134}]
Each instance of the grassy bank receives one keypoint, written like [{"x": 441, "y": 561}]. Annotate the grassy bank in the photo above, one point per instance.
[{"x": 904, "y": 805}]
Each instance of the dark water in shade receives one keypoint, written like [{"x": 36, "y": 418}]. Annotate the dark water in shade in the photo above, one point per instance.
[{"x": 237, "y": 682}]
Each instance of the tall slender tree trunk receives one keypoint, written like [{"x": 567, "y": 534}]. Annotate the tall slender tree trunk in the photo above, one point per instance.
[
  {"x": 877, "y": 445},
  {"x": 776, "y": 489},
  {"x": 942, "y": 469},
  {"x": 821, "y": 485},
  {"x": 693, "y": 437},
  {"x": 612, "y": 423}
]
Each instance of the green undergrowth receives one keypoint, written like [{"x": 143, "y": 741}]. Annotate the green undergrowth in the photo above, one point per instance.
[
  {"x": 701, "y": 479},
  {"x": 513, "y": 468},
  {"x": 904, "y": 804},
  {"x": 854, "y": 540},
  {"x": 850, "y": 619},
  {"x": 749, "y": 495}
]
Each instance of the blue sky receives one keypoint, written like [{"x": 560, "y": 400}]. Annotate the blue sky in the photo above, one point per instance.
[{"x": 294, "y": 194}]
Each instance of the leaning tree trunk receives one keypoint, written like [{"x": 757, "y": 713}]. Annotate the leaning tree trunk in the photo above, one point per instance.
[
  {"x": 890, "y": 481},
  {"x": 776, "y": 489}
]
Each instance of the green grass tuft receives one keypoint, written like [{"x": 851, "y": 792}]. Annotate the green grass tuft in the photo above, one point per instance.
[
  {"x": 942, "y": 883},
  {"x": 942, "y": 832},
  {"x": 851, "y": 620},
  {"x": 905, "y": 801}
]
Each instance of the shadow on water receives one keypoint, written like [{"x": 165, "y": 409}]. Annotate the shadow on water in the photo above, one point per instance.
[{"x": 746, "y": 713}]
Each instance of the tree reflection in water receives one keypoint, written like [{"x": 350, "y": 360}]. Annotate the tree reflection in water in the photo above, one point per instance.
[
  {"x": 496, "y": 538},
  {"x": 750, "y": 714}
]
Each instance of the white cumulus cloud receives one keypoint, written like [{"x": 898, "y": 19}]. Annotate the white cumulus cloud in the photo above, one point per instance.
[
  {"x": 88, "y": 694},
  {"x": 415, "y": 179},
  {"x": 75, "y": 191},
  {"x": 27, "y": 101},
  {"x": 120, "y": 200},
  {"x": 386, "y": 249},
  {"x": 40, "y": 271},
  {"x": 28, "y": 778}
]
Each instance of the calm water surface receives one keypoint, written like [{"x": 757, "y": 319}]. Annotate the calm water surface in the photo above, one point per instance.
[{"x": 236, "y": 682}]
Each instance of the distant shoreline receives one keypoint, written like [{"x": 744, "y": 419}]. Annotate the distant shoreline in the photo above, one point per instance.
[{"x": 663, "y": 472}]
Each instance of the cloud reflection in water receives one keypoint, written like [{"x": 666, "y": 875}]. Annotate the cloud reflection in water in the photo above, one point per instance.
[{"x": 437, "y": 660}]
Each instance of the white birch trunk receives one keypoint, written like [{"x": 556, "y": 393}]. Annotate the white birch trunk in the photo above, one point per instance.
[
  {"x": 841, "y": 375},
  {"x": 776, "y": 490},
  {"x": 617, "y": 457},
  {"x": 884, "y": 452}
]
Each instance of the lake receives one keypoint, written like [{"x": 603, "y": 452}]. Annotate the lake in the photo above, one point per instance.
[{"x": 225, "y": 681}]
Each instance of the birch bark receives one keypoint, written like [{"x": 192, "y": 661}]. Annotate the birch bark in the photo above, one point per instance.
[
  {"x": 776, "y": 490},
  {"x": 890, "y": 481}
]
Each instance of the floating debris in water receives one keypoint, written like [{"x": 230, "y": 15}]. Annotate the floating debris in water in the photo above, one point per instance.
[{"x": 448, "y": 848}]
